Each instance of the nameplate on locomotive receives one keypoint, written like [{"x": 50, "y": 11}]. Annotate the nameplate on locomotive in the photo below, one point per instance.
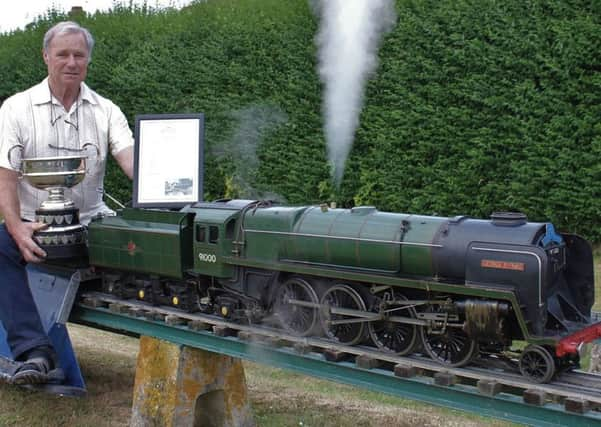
[{"x": 502, "y": 265}]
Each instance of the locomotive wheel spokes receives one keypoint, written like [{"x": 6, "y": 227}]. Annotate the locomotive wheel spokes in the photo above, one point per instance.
[
  {"x": 392, "y": 336},
  {"x": 450, "y": 345},
  {"x": 346, "y": 329},
  {"x": 296, "y": 318},
  {"x": 452, "y": 348},
  {"x": 537, "y": 364}
]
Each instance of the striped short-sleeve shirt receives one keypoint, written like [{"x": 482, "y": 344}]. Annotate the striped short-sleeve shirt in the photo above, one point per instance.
[{"x": 34, "y": 124}]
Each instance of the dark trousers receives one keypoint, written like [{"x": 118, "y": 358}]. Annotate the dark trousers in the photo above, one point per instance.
[{"x": 18, "y": 312}]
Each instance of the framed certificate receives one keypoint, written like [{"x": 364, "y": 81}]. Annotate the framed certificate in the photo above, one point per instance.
[{"x": 168, "y": 160}]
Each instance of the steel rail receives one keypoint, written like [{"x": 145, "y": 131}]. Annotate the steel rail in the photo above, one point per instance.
[
  {"x": 509, "y": 379},
  {"x": 423, "y": 388}
]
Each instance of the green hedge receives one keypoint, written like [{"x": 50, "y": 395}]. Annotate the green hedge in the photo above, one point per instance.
[
  {"x": 496, "y": 105},
  {"x": 477, "y": 106}
]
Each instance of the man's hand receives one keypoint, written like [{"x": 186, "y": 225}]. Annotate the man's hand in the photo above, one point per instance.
[{"x": 22, "y": 233}]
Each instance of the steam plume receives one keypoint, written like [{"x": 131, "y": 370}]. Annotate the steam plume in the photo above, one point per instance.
[
  {"x": 348, "y": 39},
  {"x": 252, "y": 124}
]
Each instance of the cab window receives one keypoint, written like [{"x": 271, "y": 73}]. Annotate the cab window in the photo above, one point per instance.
[
  {"x": 201, "y": 233},
  {"x": 213, "y": 234},
  {"x": 230, "y": 228}
]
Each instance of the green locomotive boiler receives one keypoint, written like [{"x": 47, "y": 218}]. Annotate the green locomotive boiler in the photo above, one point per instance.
[{"x": 451, "y": 287}]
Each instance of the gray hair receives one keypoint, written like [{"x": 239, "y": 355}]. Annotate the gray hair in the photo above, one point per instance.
[{"x": 69, "y": 27}]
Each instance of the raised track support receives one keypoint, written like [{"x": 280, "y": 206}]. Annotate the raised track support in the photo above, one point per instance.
[{"x": 177, "y": 385}]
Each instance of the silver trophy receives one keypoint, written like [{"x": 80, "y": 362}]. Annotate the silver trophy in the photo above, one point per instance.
[{"x": 64, "y": 237}]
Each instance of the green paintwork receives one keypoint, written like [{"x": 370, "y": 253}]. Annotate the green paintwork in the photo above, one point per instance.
[
  {"x": 208, "y": 255},
  {"x": 458, "y": 397},
  {"x": 278, "y": 222},
  {"x": 359, "y": 238},
  {"x": 420, "y": 229},
  {"x": 154, "y": 242}
]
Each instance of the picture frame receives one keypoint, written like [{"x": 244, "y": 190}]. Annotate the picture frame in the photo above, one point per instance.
[{"x": 168, "y": 160}]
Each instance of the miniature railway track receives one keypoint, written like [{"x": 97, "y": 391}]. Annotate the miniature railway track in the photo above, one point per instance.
[{"x": 575, "y": 395}]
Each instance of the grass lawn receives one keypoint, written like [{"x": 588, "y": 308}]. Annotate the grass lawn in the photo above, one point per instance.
[{"x": 278, "y": 397}]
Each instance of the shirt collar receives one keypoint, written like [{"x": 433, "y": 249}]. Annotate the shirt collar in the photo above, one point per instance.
[{"x": 40, "y": 93}]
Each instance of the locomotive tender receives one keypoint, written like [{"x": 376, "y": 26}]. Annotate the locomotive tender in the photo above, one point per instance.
[{"x": 447, "y": 287}]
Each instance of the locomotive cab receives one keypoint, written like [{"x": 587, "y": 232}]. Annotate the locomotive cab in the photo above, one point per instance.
[{"x": 215, "y": 227}]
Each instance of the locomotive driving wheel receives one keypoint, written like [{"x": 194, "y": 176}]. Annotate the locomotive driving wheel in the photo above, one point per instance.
[
  {"x": 294, "y": 316},
  {"x": 537, "y": 364},
  {"x": 450, "y": 346},
  {"x": 344, "y": 328},
  {"x": 393, "y": 336}
]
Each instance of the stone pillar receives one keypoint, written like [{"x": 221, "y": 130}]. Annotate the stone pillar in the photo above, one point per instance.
[{"x": 180, "y": 386}]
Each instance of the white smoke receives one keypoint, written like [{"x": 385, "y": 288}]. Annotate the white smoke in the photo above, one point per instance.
[
  {"x": 252, "y": 125},
  {"x": 348, "y": 39}
]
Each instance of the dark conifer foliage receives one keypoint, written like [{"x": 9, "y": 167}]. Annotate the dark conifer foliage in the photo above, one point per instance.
[{"x": 477, "y": 106}]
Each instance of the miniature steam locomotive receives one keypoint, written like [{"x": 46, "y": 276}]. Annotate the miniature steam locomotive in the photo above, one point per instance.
[{"x": 450, "y": 287}]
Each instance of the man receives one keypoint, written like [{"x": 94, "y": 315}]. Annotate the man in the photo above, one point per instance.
[{"x": 57, "y": 117}]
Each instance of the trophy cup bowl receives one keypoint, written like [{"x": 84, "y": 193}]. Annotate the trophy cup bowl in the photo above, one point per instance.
[
  {"x": 47, "y": 172},
  {"x": 64, "y": 237}
]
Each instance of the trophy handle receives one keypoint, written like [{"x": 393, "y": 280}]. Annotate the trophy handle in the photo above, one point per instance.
[
  {"x": 95, "y": 157},
  {"x": 18, "y": 167}
]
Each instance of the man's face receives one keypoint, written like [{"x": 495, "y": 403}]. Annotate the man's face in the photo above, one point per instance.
[{"x": 67, "y": 60}]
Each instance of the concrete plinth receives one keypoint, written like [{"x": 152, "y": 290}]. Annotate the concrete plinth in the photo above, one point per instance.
[{"x": 179, "y": 386}]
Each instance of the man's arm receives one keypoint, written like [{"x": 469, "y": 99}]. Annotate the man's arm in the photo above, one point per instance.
[
  {"x": 125, "y": 159},
  {"x": 20, "y": 231}
]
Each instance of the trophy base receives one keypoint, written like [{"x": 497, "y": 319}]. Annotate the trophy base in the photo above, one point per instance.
[
  {"x": 64, "y": 217},
  {"x": 62, "y": 242},
  {"x": 63, "y": 252}
]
